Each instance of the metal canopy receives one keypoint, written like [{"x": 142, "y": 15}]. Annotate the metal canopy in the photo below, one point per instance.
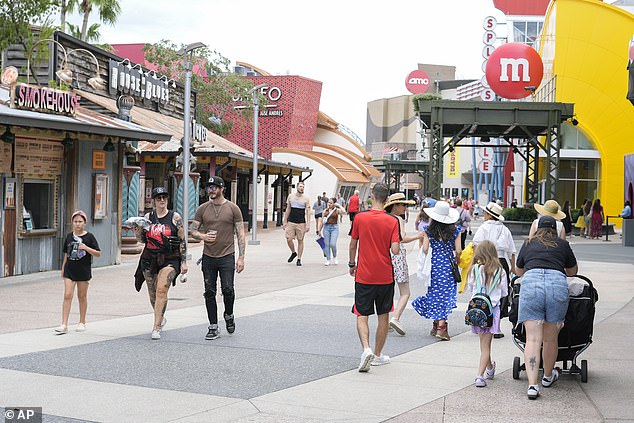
[
  {"x": 518, "y": 124},
  {"x": 393, "y": 169}
]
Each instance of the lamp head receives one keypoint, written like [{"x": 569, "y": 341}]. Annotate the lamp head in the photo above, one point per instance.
[
  {"x": 8, "y": 136},
  {"x": 97, "y": 83},
  {"x": 67, "y": 141},
  {"x": 191, "y": 47},
  {"x": 65, "y": 75},
  {"x": 109, "y": 147}
]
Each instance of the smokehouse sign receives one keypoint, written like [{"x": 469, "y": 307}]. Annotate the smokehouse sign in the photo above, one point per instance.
[{"x": 44, "y": 99}]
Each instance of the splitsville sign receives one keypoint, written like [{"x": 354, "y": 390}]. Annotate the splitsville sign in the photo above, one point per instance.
[
  {"x": 44, "y": 99},
  {"x": 128, "y": 80}
]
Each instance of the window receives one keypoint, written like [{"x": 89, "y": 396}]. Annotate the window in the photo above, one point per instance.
[
  {"x": 39, "y": 200},
  {"x": 527, "y": 32}
]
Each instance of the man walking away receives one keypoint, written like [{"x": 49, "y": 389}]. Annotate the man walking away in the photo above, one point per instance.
[
  {"x": 296, "y": 222},
  {"x": 215, "y": 223},
  {"x": 374, "y": 234},
  {"x": 353, "y": 207}
]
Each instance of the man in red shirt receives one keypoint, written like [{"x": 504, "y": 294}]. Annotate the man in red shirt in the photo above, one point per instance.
[{"x": 374, "y": 234}]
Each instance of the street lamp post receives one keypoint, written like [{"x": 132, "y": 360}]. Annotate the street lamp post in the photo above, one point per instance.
[
  {"x": 254, "y": 213},
  {"x": 187, "y": 53}
]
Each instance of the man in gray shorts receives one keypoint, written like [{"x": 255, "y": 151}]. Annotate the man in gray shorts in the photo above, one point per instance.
[{"x": 296, "y": 222}]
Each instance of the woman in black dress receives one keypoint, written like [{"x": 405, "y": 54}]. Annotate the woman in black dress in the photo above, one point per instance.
[{"x": 79, "y": 248}]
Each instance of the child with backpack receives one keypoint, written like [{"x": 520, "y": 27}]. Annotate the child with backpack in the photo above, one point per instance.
[{"x": 487, "y": 281}]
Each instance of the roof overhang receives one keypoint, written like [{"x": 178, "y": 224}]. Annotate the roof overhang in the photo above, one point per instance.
[{"x": 504, "y": 119}]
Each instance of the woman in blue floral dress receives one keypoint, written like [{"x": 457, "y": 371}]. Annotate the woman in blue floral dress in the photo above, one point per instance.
[{"x": 442, "y": 236}]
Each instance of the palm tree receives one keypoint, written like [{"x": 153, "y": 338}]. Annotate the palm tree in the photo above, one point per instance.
[
  {"x": 109, "y": 10},
  {"x": 66, "y": 7}
]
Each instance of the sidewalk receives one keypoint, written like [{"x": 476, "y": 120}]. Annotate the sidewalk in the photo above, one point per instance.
[{"x": 295, "y": 351}]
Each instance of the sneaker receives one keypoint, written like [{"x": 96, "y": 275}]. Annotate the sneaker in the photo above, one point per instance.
[
  {"x": 327, "y": 262},
  {"x": 336, "y": 261},
  {"x": 213, "y": 333},
  {"x": 81, "y": 327},
  {"x": 490, "y": 373},
  {"x": 480, "y": 382},
  {"x": 533, "y": 392},
  {"x": 231, "y": 324},
  {"x": 156, "y": 334},
  {"x": 397, "y": 326},
  {"x": 547, "y": 382},
  {"x": 61, "y": 329},
  {"x": 163, "y": 322},
  {"x": 381, "y": 360},
  {"x": 366, "y": 360},
  {"x": 299, "y": 262},
  {"x": 292, "y": 257},
  {"x": 498, "y": 335}
]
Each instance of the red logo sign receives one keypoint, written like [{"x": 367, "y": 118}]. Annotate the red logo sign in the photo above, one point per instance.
[
  {"x": 514, "y": 70},
  {"x": 417, "y": 82}
]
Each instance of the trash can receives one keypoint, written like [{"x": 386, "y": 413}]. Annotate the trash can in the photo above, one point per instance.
[{"x": 628, "y": 233}]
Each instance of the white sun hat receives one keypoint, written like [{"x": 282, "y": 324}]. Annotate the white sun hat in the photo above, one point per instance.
[{"x": 443, "y": 213}]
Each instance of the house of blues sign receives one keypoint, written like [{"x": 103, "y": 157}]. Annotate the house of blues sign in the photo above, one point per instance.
[{"x": 127, "y": 80}]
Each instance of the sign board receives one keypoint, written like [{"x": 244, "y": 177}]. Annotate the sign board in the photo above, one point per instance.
[
  {"x": 6, "y": 153},
  {"x": 124, "y": 79},
  {"x": 417, "y": 82},
  {"x": 485, "y": 166},
  {"x": 486, "y": 153},
  {"x": 44, "y": 100},
  {"x": 40, "y": 157},
  {"x": 514, "y": 70}
]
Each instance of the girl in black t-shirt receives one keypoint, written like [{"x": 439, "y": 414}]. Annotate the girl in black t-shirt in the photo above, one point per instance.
[{"x": 79, "y": 248}]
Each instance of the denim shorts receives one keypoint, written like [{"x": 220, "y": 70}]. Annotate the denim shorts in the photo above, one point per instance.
[{"x": 543, "y": 296}]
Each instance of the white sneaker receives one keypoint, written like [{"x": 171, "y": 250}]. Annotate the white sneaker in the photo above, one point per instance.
[
  {"x": 327, "y": 263},
  {"x": 61, "y": 329},
  {"x": 156, "y": 334},
  {"x": 397, "y": 326},
  {"x": 80, "y": 327},
  {"x": 381, "y": 360},
  {"x": 336, "y": 261},
  {"x": 547, "y": 382},
  {"x": 366, "y": 360},
  {"x": 490, "y": 373}
]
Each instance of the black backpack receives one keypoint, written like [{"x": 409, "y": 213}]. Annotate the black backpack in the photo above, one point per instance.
[{"x": 480, "y": 310}]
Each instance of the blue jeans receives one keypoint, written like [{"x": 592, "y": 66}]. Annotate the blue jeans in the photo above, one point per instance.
[
  {"x": 331, "y": 234},
  {"x": 212, "y": 267}
]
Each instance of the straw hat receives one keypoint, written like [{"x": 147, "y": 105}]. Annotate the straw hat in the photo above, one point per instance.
[
  {"x": 495, "y": 210},
  {"x": 442, "y": 213},
  {"x": 397, "y": 198},
  {"x": 550, "y": 208}
]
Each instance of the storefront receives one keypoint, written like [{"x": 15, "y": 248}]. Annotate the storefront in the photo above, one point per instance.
[{"x": 52, "y": 164}]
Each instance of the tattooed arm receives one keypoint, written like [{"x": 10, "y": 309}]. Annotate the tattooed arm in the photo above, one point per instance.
[
  {"x": 178, "y": 222},
  {"x": 239, "y": 230}
]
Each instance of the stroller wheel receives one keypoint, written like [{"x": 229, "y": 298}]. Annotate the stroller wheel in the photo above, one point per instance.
[
  {"x": 584, "y": 371},
  {"x": 516, "y": 368}
]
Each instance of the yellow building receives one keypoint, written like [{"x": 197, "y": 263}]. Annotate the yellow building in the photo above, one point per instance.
[{"x": 584, "y": 46}]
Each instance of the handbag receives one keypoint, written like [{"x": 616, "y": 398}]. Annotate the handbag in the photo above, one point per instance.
[{"x": 455, "y": 271}]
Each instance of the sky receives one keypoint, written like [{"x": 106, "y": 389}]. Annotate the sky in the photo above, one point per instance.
[{"x": 360, "y": 50}]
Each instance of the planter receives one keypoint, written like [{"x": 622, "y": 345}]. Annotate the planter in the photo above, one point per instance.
[{"x": 518, "y": 227}]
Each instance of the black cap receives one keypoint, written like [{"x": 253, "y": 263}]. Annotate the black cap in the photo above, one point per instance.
[
  {"x": 547, "y": 222},
  {"x": 159, "y": 191},
  {"x": 216, "y": 180}
]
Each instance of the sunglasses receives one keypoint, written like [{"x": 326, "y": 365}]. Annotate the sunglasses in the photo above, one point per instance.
[
  {"x": 213, "y": 187},
  {"x": 161, "y": 197}
]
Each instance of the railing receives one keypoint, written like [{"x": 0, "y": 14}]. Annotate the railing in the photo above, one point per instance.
[{"x": 607, "y": 225}]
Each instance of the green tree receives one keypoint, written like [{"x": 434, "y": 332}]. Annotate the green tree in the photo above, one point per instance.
[
  {"x": 17, "y": 25},
  {"x": 109, "y": 11},
  {"x": 66, "y": 7},
  {"x": 216, "y": 89}
]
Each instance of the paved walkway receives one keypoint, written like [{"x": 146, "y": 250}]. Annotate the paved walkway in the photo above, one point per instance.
[{"x": 295, "y": 352}]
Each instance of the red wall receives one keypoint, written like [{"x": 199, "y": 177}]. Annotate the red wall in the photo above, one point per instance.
[
  {"x": 522, "y": 7},
  {"x": 295, "y": 128}
]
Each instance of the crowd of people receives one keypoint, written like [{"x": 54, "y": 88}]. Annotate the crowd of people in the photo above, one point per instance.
[{"x": 377, "y": 259}]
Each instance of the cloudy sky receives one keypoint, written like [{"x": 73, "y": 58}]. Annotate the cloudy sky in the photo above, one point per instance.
[{"x": 360, "y": 50}]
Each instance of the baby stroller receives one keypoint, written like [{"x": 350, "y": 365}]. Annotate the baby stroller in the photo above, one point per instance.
[{"x": 574, "y": 337}]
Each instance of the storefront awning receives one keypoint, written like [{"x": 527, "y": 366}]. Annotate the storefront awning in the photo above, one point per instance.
[{"x": 85, "y": 121}]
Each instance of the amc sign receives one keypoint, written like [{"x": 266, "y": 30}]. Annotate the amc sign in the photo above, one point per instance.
[
  {"x": 513, "y": 68},
  {"x": 417, "y": 82}
]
